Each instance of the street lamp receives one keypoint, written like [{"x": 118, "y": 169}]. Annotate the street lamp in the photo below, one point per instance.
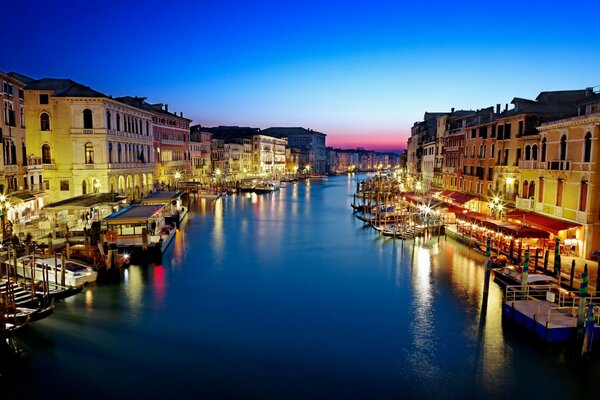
[
  {"x": 4, "y": 207},
  {"x": 418, "y": 186},
  {"x": 177, "y": 178}
]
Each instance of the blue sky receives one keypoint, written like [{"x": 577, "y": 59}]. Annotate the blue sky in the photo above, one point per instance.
[{"x": 360, "y": 71}]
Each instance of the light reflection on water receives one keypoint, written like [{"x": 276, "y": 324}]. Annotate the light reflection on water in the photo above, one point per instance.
[{"x": 288, "y": 295}]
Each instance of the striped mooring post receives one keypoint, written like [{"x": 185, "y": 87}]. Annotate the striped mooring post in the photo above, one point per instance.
[
  {"x": 525, "y": 274},
  {"x": 488, "y": 269},
  {"x": 583, "y": 292},
  {"x": 588, "y": 337},
  {"x": 557, "y": 259}
]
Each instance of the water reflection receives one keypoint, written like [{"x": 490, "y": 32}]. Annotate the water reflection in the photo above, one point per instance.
[{"x": 276, "y": 296}]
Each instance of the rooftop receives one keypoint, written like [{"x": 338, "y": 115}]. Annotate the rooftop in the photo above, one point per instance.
[
  {"x": 133, "y": 214},
  {"x": 85, "y": 201},
  {"x": 64, "y": 88}
]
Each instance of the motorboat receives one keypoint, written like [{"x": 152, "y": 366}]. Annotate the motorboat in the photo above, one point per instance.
[{"x": 77, "y": 273}]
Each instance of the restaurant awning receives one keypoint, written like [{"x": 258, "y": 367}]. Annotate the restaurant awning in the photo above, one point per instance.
[
  {"x": 543, "y": 222},
  {"x": 446, "y": 193},
  {"x": 461, "y": 198},
  {"x": 506, "y": 228}
]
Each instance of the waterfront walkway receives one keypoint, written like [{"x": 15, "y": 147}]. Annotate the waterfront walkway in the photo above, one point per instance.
[{"x": 566, "y": 262}]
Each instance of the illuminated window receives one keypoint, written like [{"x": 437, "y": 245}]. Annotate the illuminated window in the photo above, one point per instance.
[{"x": 89, "y": 153}]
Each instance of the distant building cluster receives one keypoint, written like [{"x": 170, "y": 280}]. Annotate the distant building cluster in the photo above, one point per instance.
[
  {"x": 538, "y": 157},
  {"x": 62, "y": 139}
]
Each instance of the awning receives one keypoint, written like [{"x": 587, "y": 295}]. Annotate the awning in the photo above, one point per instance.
[
  {"x": 516, "y": 231},
  {"x": 461, "y": 198},
  {"x": 543, "y": 222},
  {"x": 446, "y": 193},
  {"x": 22, "y": 196}
]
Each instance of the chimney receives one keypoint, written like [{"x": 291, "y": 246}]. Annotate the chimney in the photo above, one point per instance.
[
  {"x": 589, "y": 91},
  {"x": 181, "y": 114},
  {"x": 452, "y": 110},
  {"x": 506, "y": 107},
  {"x": 167, "y": 107},
  {"x": 497, "y": 108}
]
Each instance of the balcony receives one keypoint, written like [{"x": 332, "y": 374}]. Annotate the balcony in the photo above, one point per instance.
[
  {"x": 530, "y": 164},
  {"x": 128, "y": 165},
  {"x": 558, "y": 165},
  {"x": 51, "y": 166},
  {"x": 81, "y": 131},
  {"x": 525, "y": 204},
  {"x": 11, "y": 169}
]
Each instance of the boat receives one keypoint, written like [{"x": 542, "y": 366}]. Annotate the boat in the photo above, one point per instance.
[
  {"x": 512, "y": 276},
  {"x": 77, "y": 273},
  {"x": 11, "y": 329}
]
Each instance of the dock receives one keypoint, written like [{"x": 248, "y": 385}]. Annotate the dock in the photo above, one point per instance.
[{"x": 552, "y": 319}]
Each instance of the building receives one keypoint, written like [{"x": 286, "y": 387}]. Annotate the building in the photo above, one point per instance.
[
  {"x": 86, "y": 141},
  {"x": 171, "y": 140},
  {"x": 311, "y": 145},
  {"x": 561, "y": 179},
  {"x": 268, "y": 155},
  {"x": 200, "y": 153},
  {"x": 451, "y": 130}
]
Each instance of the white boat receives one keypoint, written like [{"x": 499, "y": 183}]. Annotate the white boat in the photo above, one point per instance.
[{"x": 77, "y": 273}]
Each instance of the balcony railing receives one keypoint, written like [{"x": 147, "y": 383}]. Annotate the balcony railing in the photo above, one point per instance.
[
  {"x": 49, "y": 167},
  {"x": 129, "y": 165},
  {"x": 525, "y": 204},
  {"x": 530, "y": 164},
  {"x": 558, "y": 165},
  {"x": 11, "y": 169},
  {"x": 81, "y": 131}
]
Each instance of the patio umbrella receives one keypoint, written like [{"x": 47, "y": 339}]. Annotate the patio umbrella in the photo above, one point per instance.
[
  {"x": 557, "y": 259},
  {"x": 525, "y": 275}
]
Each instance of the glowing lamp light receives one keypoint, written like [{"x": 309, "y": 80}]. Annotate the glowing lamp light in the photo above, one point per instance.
[
  {"x": 510, "y": 181},
  {"x": 177, "y": 175}
]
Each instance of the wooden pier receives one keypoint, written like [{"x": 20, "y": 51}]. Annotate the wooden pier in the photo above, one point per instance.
[{"x": 553, "y": 319}]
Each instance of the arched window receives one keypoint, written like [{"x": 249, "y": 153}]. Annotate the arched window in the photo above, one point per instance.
[
  {"x": 89, "y": 153},
  {"x": 541, "y": 190},
  {"x": 525, "y": 189},
  {"x": 46, "y": 154},
  {"x": 563, "y": 147},
  {"x": 88, "y": 123},
  {"x": 534, "y": 152},
  {"x": 108, "y": 121},
  {"x": 544, "y": 150},
  {"x": 44, "y": 122},
  {"x": 531, "y": 193},
  {"x": 13, "y": 153},
  {"x": 587, "y": 147},
  {"x": 110, "y": 148},
  {"x": 118, "y": 122},
  {"x": 84, "y": 187},
  {"x": 119, "y": 152},
  {"x": 583, "y": 196},
  {"x": 492, "y": 150},
  {"x": 527, "y": 152}
]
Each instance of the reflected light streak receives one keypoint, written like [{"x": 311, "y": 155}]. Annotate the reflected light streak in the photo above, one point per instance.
[
  {"x": 134, "y": 285},
  {"x": 159, "y": 286},
  {"x": 89, "y": 300},
  {"x": 423, "y": 324},
  {"x": 218, "y": 239}
]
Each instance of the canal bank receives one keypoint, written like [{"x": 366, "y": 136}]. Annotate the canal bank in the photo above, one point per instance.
[{"x": 288, "y": 296}]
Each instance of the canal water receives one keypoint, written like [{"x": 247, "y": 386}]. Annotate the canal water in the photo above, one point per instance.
[{"x": 288, "y": 296}]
